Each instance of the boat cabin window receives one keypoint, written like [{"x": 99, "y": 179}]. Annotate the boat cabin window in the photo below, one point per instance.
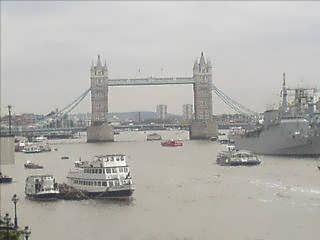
[
  {"x": 114, "y": 170},
  {"x": 110, "y": 183},
  {"x": 116, "y": 183},
  {"x": 104, "y": 183},
  {"x": 122, "y": 158},
  {"x": 108, "y": 170},
  {"x": 99, "y": 183},
  {"x": 100, "y": 170},
  {"x": 120, "y": 169},
  {"x": 125, "y": 169}
]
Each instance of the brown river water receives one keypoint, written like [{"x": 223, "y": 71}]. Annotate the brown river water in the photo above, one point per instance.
[{"x": 181, "y": 193}]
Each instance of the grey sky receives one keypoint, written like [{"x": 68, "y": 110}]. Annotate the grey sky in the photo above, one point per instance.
[{"x": 47, "y": 48}]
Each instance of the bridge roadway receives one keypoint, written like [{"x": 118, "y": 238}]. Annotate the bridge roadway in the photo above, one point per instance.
[
  {"x": 44, "y": 131},
  {"x": 140, "y": 127},
  {"x": 150, "y": 81}
]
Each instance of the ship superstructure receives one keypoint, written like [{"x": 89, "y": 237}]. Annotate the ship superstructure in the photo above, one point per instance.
[{"x": 292, "y": 129}]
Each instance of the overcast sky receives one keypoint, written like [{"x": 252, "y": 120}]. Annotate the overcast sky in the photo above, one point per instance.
[{"x": 47, "y": 48}]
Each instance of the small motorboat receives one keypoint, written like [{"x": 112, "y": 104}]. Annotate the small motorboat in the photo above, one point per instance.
[
  {"x": 213, "y": 139},
  {"x": 237, "y": 158},
  {"x": 153, "y": 137},
  {"x": 172, "y": 143},
  {"x": 31, "y": 165},
  {"x": 5, "y": 179},
  {"x": 64, "y": 157}
]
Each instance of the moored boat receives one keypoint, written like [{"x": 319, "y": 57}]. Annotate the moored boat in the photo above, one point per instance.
[
  {"x": 106, "y": 176},
  {"x": 36, "y": 147},
  {"x": 32, "y": 148},
  {"x": 41, "y": 187},
  {"x": 64, "y": 157},
  {"x": 32, "y": 165},
  {"x": 172, "y": 143}
]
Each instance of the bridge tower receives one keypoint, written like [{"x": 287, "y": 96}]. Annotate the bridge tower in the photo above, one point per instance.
[
  {"x": 100, "y": 130},
  {"x": 203, "y": 125}
]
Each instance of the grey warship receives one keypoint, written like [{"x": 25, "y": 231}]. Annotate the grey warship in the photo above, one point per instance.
[{"x": 292, "y": 129}]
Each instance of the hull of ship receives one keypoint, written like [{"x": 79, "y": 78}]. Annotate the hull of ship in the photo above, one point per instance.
[
  {"x": 281, "y": 145},
  {"x": 124, "y": 193},
  {"x": 44, "y": 196}
]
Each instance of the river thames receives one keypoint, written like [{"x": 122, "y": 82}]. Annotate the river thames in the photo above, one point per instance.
[{"x": 181, "y": 193}]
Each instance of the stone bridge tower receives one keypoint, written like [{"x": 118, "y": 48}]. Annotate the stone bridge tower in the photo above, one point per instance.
[
  {"x": 99, "y": 131},
  {"x": 203, "y": 126}
]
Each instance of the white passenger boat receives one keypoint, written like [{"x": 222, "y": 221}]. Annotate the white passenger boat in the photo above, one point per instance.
[
  {"x": 41, "y": 187},
  {"x": 32, "y": 148},
  {"x": 36, "y": 147},
  {"x": 107, "y": 176}
]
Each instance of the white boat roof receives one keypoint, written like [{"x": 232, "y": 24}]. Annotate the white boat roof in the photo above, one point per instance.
[
  {"x": 106, "y": 160},
  {"x": 243, "y": 152},
  {"x": 110, "y": 155},
  {"x": 40, "y": 176}
]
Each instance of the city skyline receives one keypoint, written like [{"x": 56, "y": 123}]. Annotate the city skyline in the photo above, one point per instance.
[{"x": 249, "y": 48}]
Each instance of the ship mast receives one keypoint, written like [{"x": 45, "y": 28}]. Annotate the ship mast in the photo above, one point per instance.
[{"x": 284, "y": 94}]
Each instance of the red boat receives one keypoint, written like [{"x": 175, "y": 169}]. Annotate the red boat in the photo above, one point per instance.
[{"x": 172, "y": 143}]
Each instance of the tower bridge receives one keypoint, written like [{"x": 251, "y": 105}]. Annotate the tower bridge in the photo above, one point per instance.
[{"x": 203, "y": 125}]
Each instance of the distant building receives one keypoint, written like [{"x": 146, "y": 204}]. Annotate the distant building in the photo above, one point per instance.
[
  {"x": 162, "y": 111},
  {"x": 187, "y": 112},
  {"x": 24, "y": 119}
]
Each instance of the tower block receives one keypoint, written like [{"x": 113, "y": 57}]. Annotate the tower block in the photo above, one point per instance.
[
  {"x": 203, "y": 125},
  {"x": 100, "y": 130}
]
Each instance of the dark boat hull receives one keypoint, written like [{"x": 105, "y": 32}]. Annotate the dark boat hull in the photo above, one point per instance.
[
  {"x": 5, "y": 180},
  {"x": 125, "y": 193},
  {"x": 33, "y": 167},
  {"x": 44, "y": 197},
  {"x": 253, "y": 163}
]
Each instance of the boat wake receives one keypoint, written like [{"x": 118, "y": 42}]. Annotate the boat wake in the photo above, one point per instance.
[{"x": 285, "y": 188}]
